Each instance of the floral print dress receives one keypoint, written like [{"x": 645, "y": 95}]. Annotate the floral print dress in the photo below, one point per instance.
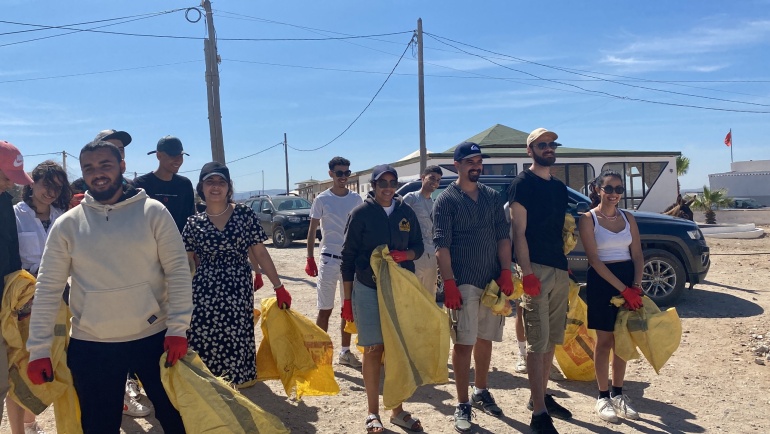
[{"x": 222, "y": 327}]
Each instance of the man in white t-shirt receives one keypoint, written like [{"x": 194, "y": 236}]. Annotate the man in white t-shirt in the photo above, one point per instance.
[
  {"x": 330, "y": 210},
  {"x": 425, "y": 267}
]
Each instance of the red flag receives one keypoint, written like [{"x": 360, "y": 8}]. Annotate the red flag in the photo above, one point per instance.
[{"x": 729, "y": 139}]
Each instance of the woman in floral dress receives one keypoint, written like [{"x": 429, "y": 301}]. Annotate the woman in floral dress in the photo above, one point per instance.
[{"x": 222, "y": 237}]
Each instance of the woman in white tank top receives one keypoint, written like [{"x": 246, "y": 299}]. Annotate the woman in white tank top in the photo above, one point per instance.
[{"x": 611, "y": 241}]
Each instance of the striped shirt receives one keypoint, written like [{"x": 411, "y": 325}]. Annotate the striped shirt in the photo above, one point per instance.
[{"x": 470, "y": 230}]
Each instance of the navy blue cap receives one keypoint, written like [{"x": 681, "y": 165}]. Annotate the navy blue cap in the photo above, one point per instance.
[
  {"x": 382, "y": 169},
  {"x": 468, "y": 149},
  {"x": 170, "y": 145},
  {"x": 214, "y": 168}
]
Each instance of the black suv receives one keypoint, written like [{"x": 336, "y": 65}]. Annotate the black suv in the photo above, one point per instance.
[
  {"x": 675, "y": 251},
  {"x": 285, "y": 218}
]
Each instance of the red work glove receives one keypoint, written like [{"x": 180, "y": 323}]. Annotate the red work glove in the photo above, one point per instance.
[
  {"x": 258, "y": 283},
  {"x": 452, "y": 297},
  {"x": 398, "y": 255},
  {"x": 638, "y": 290},
  {"x": 311, "y": 268},
  {"x": 633, "y": 299},
  {"x": 531, "y": 285},
  {"x": 176, "y": 347},
  {"x": 347, "y": 310},
  {"x": 40, "y": 371},
  {"x": 283, "y": 297},
  {"x": 505, "y": 281}
]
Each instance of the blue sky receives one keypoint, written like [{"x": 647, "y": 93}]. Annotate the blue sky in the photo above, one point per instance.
[{"x": 57, "y": 93}]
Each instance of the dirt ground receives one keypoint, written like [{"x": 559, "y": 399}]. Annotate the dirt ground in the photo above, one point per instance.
[{"x": 713, "y": 383}]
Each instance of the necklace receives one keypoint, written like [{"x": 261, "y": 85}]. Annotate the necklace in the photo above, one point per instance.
[
  {"x": 226, "y": 209},
  {"x": 613, "y": 218}
]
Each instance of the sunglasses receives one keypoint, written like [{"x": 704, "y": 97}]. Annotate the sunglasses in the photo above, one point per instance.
[
  {"x": 384, "y": 183},
  {"x": 552, "y": 145},
  {"x": 341, "y": 174},
  {"x": 608, "y": 189}
]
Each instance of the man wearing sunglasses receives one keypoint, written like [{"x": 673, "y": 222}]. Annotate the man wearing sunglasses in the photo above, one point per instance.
[
  {"x": 473, "y": 247},
  {"x": 330, "y": 210},
  {"x": 538, "y": 203}
]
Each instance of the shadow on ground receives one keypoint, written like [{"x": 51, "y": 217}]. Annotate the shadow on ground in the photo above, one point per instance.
[
  {"x": 297, "y": 416},
  {"x": 706, "y": 303}
]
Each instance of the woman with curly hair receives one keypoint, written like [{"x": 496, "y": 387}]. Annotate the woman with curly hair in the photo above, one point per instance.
[{"x": 42, "y": 203}]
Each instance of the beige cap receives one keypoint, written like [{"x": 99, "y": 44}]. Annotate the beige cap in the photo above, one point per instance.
[{"x": 536, "y": 134}]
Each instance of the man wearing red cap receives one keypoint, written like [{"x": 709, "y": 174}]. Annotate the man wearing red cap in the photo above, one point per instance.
[{"x": 11, "y": 172}]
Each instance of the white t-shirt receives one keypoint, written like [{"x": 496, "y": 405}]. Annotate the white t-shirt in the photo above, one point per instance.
[{"x": 332, "y": 211}]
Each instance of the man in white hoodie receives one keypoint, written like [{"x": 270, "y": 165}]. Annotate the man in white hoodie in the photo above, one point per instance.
[{"x": 130, "y": 297}]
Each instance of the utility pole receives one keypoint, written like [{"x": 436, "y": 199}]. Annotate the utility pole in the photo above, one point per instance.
[
  {"x": 286, "y": 157},
  {"x": 64, "y": 160},
  {"x": 421, "y": 87},
  {"x": 212, "y": 87}
]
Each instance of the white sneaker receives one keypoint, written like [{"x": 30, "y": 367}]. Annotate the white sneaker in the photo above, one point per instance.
[
  {"x": 521, "y": 364},
  {"x": 132, "y": 388},
  {"x": 133, "y": 408},
  {"x": 622, "y": 405},
  {"x": 33, "y": 428},
  {"x": 605, "y": 410},
  {"x": 350, "y": 359}
]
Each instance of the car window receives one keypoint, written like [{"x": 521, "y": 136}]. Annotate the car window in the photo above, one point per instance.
[
  {"x": 290, "y": 203},
  {"x": 266, "y": 206}
]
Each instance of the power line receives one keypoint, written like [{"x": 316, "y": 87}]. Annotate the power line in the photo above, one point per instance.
[
  {"x": 148, "y": 15},
  {"x": 367, "y": 106},
  {"x": 599, "y": 92},
  {"x": 242, "y": 158},
  {"x": 98, "y": 72}
]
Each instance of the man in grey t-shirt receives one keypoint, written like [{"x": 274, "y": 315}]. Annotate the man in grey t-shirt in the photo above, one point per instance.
[{"x": 422, "y": 203}]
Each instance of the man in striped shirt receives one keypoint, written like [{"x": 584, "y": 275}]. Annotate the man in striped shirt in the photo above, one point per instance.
[{"x": 472, "y": 242}]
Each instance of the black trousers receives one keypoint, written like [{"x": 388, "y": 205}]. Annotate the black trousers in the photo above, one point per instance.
[{"x": 99, "y": 373}]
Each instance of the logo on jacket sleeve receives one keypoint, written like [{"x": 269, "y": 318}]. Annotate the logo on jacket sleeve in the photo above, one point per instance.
[{"x": 404, "y": 225}]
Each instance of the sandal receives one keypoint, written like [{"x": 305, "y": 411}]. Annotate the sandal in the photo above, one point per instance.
[
  {"x": 374, "y": 424},
  {"x": 407, "y": 422}
]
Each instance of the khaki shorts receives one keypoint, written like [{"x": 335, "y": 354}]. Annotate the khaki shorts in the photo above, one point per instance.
[
  {"x": 425, "y": 268},
  {"x": 476, "y": 321},
  {"x": 545, "y": 316}
]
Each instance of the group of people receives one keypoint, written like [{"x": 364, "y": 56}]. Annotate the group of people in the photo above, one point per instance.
[
  {"x": 465, "y": 235},
  {"x": 123, "y": 259},
  {"x": 144, "y": 274}
]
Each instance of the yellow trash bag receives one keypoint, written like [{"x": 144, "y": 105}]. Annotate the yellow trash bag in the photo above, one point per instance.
[
  {"x": 496, "y": 300},
  {"x": 656, "y": 333},
  {"x": 568, "y": 233},
  {"x": 576, "y": 355},
  {"x": 414, "y": 331},
  {"x": 19, "y": 290},
  {"x": 296, "y": 351},
  {"x": 209, "y": 404}
]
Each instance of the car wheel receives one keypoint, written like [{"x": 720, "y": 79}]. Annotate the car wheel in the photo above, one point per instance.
[
  {"x": 280, "y": 238},
  {"x": 663, "y": 278}
]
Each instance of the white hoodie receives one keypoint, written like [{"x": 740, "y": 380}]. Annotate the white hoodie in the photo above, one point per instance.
[{"x": 130, "y": 276}]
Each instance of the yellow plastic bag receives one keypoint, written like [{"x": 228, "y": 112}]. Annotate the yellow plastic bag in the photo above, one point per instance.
[
  {"x": 208, "y": 404},
  {"x": 496, "y": 300},
  {"x": 296, "y": 351},
  {"x": 576, "y": 355},
  {"x": 19, "y": 290},
  {"x": 568, "y": 233},
  {"x": 414, "y": 331},
  {"x": 656, "y": 333}
]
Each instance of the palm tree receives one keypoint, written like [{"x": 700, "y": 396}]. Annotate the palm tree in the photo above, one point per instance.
[
  {"x": 682, "y": 166},
  {"x": 710, "y": 200}
]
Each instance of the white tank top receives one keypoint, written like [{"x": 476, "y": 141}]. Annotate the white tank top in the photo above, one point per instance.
[{"x": 612, "y": 246}]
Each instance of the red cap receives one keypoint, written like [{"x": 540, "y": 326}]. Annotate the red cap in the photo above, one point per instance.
[{"x": 12, "y": 164}]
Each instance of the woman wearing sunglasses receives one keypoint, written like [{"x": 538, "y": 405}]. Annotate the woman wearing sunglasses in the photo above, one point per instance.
[
  {"x": 611, "y": 241},
  {"x": 383, "y": 218}
]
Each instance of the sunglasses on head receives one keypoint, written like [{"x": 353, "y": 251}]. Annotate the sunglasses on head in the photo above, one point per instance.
[
  {"x": 341, "y": 174},
  {"x": 384, "y": 183},
  {"x": 542, "y": 145},
  {"x": 617, "y": 189}
]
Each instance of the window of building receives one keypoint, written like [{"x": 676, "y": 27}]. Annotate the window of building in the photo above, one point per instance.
[
  {"x": 574, "y": 175},
  {"x": 638, "y": 179}
]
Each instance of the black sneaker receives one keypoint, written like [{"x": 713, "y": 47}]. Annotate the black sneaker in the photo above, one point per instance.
[
  {"x": 554, "y": 409},
  {"x": 542, "y": 424},
  {"x": 463, "y": 416},
  {"x": 486, "y": 403}
]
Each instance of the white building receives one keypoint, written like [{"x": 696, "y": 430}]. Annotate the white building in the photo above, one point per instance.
[{"x": 746, "y": 179}]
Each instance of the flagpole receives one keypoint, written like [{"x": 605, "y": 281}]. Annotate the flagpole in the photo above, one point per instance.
[{"x": 731, "y": 145}]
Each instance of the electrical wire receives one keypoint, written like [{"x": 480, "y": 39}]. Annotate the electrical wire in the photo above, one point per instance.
[
  {"x": 98, "y": 72},
  {"x": 411, "y": 41},
  {"x": 597, "y": 92},
  {"x": 39, "y": 155},
  {"x": 41, "y": 28},
  {"x": 241, "y": 158}
]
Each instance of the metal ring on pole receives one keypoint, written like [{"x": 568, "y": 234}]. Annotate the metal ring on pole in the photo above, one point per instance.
[{"x": 187, "y": 15}]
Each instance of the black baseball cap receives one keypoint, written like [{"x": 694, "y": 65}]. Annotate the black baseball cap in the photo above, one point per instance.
[
  {"x": 214, "y": 168},
  {"x": 382, "y": 169},
  {"x": 170, "y": 145},
  {"x": 468, "y": 149},
  {"x": 123, "y": 136}
]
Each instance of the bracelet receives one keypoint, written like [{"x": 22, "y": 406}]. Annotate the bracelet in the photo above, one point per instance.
[
  {"x": 276, "y": 287},
  {"x": 636, "y": 285}
]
